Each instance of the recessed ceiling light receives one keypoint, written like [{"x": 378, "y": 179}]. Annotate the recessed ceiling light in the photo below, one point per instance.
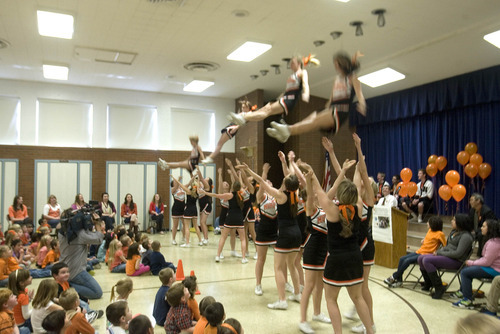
[
  {"x": 343, "y": 0},
  {"x": 381, "y": 77},
  {"x": 493, "y": 38},
  {"x": 249, "y": 51},
  {"x": 55, "y": 72},
  {"x": 55, "y": 25},
  {"x": 198, "y": 86}
]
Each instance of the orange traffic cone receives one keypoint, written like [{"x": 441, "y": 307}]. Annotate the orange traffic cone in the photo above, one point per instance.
[
  {"x": 197, "y": 291},
  {"x": 179, "y": 274}
]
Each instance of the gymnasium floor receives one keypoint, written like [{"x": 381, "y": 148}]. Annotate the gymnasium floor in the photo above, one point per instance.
[{"x": 232, "y": 283}]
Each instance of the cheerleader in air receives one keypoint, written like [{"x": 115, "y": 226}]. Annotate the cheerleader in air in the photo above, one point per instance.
[
  {"x": 228, "y": 132},
  {"x": 336, "y": 113},
  {"x": 189, "y": 164},
  {"x": 297, "y": 85}
]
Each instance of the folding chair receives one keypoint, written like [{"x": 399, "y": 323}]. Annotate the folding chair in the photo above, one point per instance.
[
  {"x": 417, "y": 277},
  {"x": 441, "y": 272},
  {"x": 482, "y": 280}
]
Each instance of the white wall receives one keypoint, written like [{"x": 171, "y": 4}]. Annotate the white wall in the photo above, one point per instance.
[{"x": 100, "y": 98}]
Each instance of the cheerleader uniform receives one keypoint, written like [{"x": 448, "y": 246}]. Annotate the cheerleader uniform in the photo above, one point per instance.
[
  {"x": 194, "y": 159},
  {"x": 316, "y": 246},
  {"x": 344, "y": 265},
  {"x": 342, "y": 97},
  {"x": 267, "y": 230},
  {"x": 302, "y": 221},
  {"x": 223, "y": 211},
  {"x": 292, "y": 92},
  {"x": 190, "y": 210},
  {"x": 289, "y": 236},
  {"x": 205, "y": 203},
  {"x": 247, "y": 206},
  {"x": 234, "y": 218},
  {"x": 179, "y": 203},
  {"x": 228, "y": 130},
  {"x": 365, "y": 238}
]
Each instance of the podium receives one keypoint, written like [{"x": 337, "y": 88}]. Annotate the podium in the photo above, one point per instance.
[{"x": 387, "y": 255}]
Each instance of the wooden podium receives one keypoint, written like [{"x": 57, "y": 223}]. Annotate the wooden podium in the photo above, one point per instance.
[{"x": 388, "y": 255}]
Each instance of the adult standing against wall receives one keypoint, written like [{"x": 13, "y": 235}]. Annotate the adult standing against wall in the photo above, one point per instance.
[
  {"x": 74, "y": 254},
  {"x": 18, "y": 212}
]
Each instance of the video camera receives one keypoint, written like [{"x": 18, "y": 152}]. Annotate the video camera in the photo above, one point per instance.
[{"x": 72, "y": 221}]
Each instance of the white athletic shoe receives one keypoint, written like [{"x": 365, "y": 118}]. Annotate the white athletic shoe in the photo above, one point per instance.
[
  {"x": 258, "y": 290},
  {"x": 351, "y": 314},
  {"x": 238, "y": 119},
  {"x": 255, "y": 257},
  {"x": 185, "y": 245},
  {"x": 305, "y": 328},
  {"x": 217, "y": 259},
  {"x": 207, "y": 160},
  {"x": 244, "y": 261},
  {"x": 221, "y": 256},
  {"x": 322, "y": 318},
  {"x": 279, "y": 305},
  {"x": 288, "y": 287},
  {"x": 295, "y": 297},
  {"x": 200, "y": 243},
  {"x": 234, "y": 254},
  {"x": 205, "y": 242},
  {"x": 162, "y": 163},
  {"x": 280, "y": 132},
  {"x": 362, "y": 329}
]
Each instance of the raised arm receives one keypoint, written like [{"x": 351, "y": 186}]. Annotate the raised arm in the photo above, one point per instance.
[
  {"x": 202, "y": 179},
  {"x": 260, "y": 192},
  {"x": 183, "y": 187},
  {"x": 225, "y": 196},
  {"x": 284, "y": 166},
  {"x": 363, "y": 172},
  {"x": 328, "y": 145},
  {"x": 232, "y": 171},
  {"x": 347, "y": 164},
  {"x": 305, "y": 86},
  {"x": 331, "y": 210},
  {"x": 310, "y": 207},
  {"x": 175, "y": 186},
  {"x": 296, "y": 171},
  {"x": 280, "y": 196},
  {"x": 220, "y": 181},
  {"x": 247, "y": 183}
]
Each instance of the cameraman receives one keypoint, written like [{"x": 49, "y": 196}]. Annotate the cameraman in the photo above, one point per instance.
[{"x": 74, "y": 254}]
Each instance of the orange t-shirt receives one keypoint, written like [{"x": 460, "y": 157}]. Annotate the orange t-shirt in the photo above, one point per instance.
[
  {"x": 12, "y": 264},
  {"x": 195, "y": 310},
  {"x": 432, "y": 241},
  {"x": 19, "y": 213},
  {"x": 52, "y": 256},
  {"x": 200, "y": 325},
  {"x": 79, "y": 324},
  {"x": 130, "y": 268},
  {"x": 7, "y": 322},
  {"x": 64, "y": 285},
  {"x": 22, "y": 299},
  {"x": 4, "y": 269}
]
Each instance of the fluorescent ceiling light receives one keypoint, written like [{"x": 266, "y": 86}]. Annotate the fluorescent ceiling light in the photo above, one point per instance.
[
  {"x": 343, "y": 0},
  {"x": 55, "y": 25},
  {"x": 55, "y": 72},
  {"x": 381, "y": 77},
  {"x": 493, "y": 38},
  {"x": 198, "y": 86},
  {"x": 249, "y": 51}
]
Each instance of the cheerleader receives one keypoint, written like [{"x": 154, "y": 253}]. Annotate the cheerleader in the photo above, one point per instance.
[
  {"x": 344, "y": 265},
  {"x": 288, "y": 243},
  {"x": 234, "y": 218},
  {"x": 190, "y": 210},
  {"x": 336, "y": 113},
  {"x": 179, "y": 196},
  {"x": 205, "y": 203},
  {"x": 189, "y": 164},
  {"x": 228, "y": 132},
  {"x": 297, "y": 85},
  {"x": 225, "y": 188},
  {"x": 267, "y": 230}
]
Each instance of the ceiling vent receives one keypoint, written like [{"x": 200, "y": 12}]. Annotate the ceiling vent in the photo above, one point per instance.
[{"x": 201, "y": 66}]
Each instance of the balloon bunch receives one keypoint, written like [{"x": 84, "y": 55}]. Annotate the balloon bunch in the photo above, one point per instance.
[
  {"x": 407, "y": 188},
  {"x": 473, "y": 163},
  {"x": 435, "y": 163}
]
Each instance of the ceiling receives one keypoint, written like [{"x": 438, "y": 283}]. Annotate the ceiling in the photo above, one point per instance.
[{"x": 427, "y": 40}]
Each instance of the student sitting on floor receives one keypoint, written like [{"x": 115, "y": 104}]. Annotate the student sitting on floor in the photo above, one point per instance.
[{"x": 179, "y": 316}]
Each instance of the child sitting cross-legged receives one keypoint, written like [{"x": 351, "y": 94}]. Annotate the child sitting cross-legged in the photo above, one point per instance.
[
  {"x": 179, "y": 316},
  {"x": 215, "y": 315},
  {"x": 70, "y": 302},
  {"x": 192, "y": 286},
  {"x": 53, "y": 254},
  {"x": 157, "y": 260},
  {"x": 203, "y": 322},
  {"x": 7, "y": 323},
  {"x": 119, "y": 315},
  {"x": 161, "y": 306},
  {"x": 134, "y": 266},
  {"x": 123, "y": 288}
]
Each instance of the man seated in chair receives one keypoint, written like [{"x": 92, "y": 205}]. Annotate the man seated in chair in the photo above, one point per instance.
[
  {"x": 387, "y": 199},
  {"x": 381, "y": 183},
  {"x": 423, "y": 198},
  {"x": 479, "y": 213}
]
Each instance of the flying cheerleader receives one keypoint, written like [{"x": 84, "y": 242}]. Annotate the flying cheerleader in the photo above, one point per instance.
[{"x": 189, "y": 164}]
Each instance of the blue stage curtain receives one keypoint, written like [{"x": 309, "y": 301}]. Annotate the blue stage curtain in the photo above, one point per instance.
[{"x": 403, "y": 129}]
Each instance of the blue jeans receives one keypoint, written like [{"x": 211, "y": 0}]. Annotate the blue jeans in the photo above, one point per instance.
[
  {"x": 404, "y": 263},
  {"x": 467, "y": 275},
  {"x": 41, "y": 273},
  {"x": 53, "y": 222},
  {"x": 119, "y": 269},
  {"x": 86, "y": 285}
]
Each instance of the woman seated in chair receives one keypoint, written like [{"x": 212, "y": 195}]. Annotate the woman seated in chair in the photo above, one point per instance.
[
  {"x": 457, "y": 250},
  {"x": 18, "y": 212},
  {"x": 488, "y": 266}
]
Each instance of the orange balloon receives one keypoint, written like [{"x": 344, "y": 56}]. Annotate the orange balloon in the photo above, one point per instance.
[
  {"x": 445, "y": 192},
  {"x": 441, "y": 162},
  {"x": 463, "y": 157},
  {"x": 476, "y": 159},
  {"x": 432, "y": 159},
  {"x": 399, "y": 187},
  {"x": 471, "y": 170},
  {"x": 458, "y": 192},
  {"x": 431, "y": 170},
  {"x": 484, "y": 170},
  {"x": 452, "y": 178},
  {"x": 412, "y": 189},
  {"x": 471, "y": 148},
  {"x": 404, "y": 190},
  {"x": 406, "y": 174}
]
